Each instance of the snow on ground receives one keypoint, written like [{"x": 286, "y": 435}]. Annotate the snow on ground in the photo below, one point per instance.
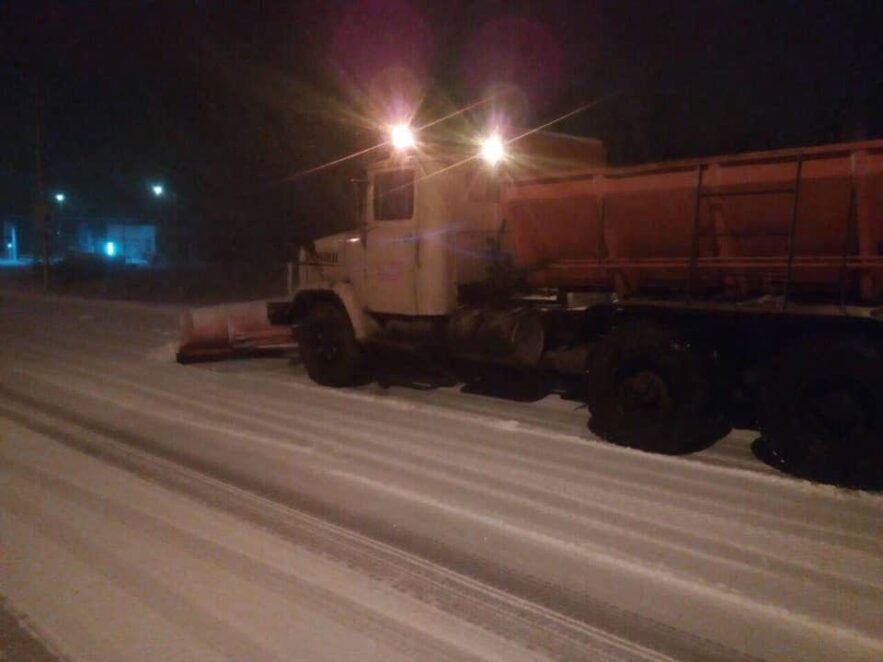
[{"x": 158, "y": 511}]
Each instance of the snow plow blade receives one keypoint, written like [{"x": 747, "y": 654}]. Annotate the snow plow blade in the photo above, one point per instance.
[{"x": 213, "y": 333}]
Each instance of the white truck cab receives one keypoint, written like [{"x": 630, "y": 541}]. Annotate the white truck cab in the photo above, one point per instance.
[
  {"x": 424, "y": 229},
  {"x": 429, "y": 224}
]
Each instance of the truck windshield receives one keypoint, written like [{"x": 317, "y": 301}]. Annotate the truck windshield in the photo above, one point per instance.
[{"x": 394, "y": 195}]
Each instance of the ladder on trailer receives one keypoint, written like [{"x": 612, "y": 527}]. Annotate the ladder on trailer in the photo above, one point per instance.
[{"x": 697, "y": 235}]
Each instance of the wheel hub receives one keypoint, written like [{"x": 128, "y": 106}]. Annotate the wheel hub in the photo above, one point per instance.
[
  {"x": 644, "y": 391},
  {"x": 327, "y": 344},
  {"x": 835, "y": 413}
]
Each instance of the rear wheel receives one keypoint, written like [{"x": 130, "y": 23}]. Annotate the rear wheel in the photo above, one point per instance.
[
  {"x": 822, "y": 410},
  {"x": 649, "y": 390},
  {"x": 329, "y": 348}
]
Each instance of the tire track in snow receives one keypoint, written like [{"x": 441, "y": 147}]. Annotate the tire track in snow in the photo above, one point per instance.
[
  {"x": 584, "y": 465},
  {"x": 529, "y": 621},
  {"x": 578, "y": 515},
  {"x": 131, "y": 530},
  {"x": 507, "y": 451},
  {"x": 491, "y": 492}
]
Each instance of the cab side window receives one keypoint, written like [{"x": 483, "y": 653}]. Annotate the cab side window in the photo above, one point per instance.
[{"x": 394, "y": 195}]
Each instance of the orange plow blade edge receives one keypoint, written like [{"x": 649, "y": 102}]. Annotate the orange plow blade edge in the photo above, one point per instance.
[{"x": 212, "y": 333}]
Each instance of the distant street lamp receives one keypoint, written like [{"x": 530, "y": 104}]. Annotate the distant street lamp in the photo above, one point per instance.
[
  {"x": 170, "y": 220},
  {"x": 52, "y": 234},
  {"x": 492, "y": 149},
  {"x": 402, "y": 137}
]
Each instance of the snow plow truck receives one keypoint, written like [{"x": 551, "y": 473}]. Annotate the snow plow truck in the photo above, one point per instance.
[{"x": 688, "y": 296}]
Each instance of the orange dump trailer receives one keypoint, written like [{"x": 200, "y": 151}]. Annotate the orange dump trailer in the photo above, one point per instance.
[
  {"x": 803, "y": 223},
  {"x": 742, "y": 290}
]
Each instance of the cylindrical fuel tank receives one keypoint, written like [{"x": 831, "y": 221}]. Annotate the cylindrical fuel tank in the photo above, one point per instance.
[
  {"x": 506, "y": 336},
  {"x": 728, "y": 224}
]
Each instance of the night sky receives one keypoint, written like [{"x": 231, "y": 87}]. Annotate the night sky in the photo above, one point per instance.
[{"x": 226, "y": 102}]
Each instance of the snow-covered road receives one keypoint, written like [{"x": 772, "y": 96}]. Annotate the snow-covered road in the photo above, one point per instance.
[{"x": 237, "y": 511}]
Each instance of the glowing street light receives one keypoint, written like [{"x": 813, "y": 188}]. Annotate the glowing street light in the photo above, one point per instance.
[
  {"x": 158, "y": 190},
  {"x": 59, "y": 198},
  {"x": 492, "y": 149},
  {"x": 110, "y": 248},
  {"x": 402, "y": 137}
]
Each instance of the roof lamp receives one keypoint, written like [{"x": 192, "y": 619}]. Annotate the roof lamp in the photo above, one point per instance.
[
  {"x": 492, "y": 149},
  {"x": 402, "y": 137}
]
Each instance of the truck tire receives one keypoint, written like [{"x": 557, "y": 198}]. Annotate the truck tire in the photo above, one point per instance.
[
  {"x": 329, "y": 348},
  {"x": 821, "y": 411},
  {"x": 649, "y": 390}
]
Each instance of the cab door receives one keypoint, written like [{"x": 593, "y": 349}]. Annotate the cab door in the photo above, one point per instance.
[{"x": 391, "y": 242}]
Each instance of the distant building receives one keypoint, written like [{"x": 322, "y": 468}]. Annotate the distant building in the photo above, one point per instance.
[
  {"x": 119, "y": 239},
  {"x": 124, "y": 239}
]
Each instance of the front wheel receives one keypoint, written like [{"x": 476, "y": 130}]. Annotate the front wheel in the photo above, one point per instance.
[
  {"x": 822, "y": 411},
  {"x": 328, "y": 346},
  {"x": 649, "y": 389}
]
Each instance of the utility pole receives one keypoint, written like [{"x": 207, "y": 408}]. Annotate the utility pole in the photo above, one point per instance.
[{"x": 41, "y": 206}]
